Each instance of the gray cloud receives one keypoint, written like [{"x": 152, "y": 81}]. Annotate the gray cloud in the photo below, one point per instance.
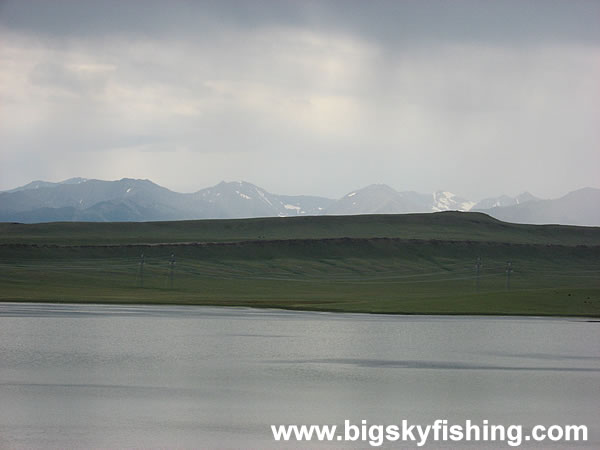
[
  {"x": 480, "y": 98},
  {"x": 75, "y": 81},
  {"x": 389, "y": 21}
]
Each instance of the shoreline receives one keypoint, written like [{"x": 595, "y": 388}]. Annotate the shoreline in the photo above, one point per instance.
[{"x": 310, "y": 310}]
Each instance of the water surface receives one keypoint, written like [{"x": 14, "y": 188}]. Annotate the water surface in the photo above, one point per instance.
[{"x": 99, "y": 376}]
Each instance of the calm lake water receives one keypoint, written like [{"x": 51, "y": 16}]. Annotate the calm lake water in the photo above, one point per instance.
[{"x": 97, "y": 376}]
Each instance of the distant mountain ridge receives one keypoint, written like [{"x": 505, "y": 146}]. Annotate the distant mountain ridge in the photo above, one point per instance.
[
  {"x": 504, "y": 200},
  {"x": 39, "y": 183},
  {"x": 142, "y": 200},
  {"x": 382, "y": 199},
  {"x": 581, "y": 207},
  {"x": 80, "y": 199}
]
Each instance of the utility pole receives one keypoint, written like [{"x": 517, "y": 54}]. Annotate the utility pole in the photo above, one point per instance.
[
  {"x": 508, "y": 272},
  {"x": 172, "y": 269},
  {"x": 142, "y": 270},
  {"x": 478, "y": 268}
]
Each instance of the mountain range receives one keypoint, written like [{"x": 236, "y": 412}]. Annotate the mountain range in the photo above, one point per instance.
[{"x": 80, "y": 199}]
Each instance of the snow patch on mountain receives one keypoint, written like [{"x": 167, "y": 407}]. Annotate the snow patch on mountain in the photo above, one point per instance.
[
  {"x": 442, "y": 201},
  {"x": 448, "y": 201},
  {"x": 264, "y": 197},
  {"x": 247, "y": 197},
  {"x": 466, "y": 206}
]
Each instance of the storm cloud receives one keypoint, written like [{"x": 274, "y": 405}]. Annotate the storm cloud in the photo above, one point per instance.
[{"x": 479, "y": 98}]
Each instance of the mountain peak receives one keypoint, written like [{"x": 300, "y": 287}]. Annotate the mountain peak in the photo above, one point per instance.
[
  {"x": 504, "y": 201},
  {"x": 76, "y": 180},
  {"x": 383, "y": 188},
  {"x": 80, "y": 199}
]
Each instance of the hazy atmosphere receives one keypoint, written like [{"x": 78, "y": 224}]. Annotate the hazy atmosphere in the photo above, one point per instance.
[
  {"x": 479, "y": 98},
  {"x": 274, "y": 224}
]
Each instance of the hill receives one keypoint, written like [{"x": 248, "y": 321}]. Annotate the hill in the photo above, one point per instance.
[
  {"x": 449, "y": 225},
  {"x": 444, "y": 263}
]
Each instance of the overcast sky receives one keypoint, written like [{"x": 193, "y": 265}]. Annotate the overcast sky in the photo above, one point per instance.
[{"x": 480, "y": 98}]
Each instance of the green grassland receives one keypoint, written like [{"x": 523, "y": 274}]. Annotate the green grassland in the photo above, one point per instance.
[{"x": 412, "y": 264}]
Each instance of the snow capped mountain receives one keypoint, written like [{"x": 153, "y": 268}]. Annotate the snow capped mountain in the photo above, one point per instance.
[
  {"x": 80, "y": 199},
  {"x": 382, "y": 199},
  {"x": 447, "y": 201},
  {"x": 504, "y": 200},
  {"x": 373, "y": 199},
  {"x": 581, "y": 207},
  {"x": 234, "y": 199},
  {"x": 141, "y": 200},
  {"x": 243, "y": 199}
]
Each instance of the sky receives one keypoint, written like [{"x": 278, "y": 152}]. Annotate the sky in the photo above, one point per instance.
[{"x": 480, "y": 98}]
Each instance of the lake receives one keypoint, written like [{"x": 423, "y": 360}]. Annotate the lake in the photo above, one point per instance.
[{"x": 100, "y": 376}]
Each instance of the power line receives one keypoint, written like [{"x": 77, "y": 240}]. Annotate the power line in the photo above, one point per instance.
[
  {"x": 142, "y": 270},
  {"x": 171, "y": 270},
  {"x": 478, "y": 269}
]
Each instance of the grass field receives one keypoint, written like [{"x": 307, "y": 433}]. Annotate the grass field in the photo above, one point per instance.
[{"x": 413, "y": 264}]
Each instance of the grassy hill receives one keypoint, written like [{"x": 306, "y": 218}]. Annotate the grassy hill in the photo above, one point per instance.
[
  {"x": 443, "y": 226},
  {"x": 416, "y": 263}
]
